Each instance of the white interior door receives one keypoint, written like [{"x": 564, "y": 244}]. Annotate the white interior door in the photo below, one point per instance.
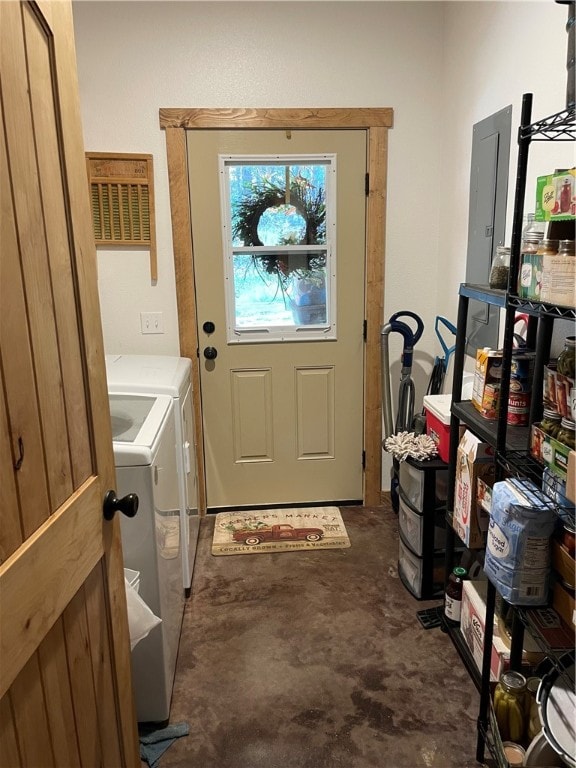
[
  {"x": 283, "y": 419},
  {"x": 65, "y": 683}
]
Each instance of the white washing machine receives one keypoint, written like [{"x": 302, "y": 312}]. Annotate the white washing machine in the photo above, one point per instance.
[
  {"x": 144, "y": 439},
  {"x": 165, "y": 375}
]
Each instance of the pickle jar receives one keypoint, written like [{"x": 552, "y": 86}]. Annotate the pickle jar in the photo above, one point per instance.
[
  {"x": 551, "y": 422},
  {"x": 510, "y": 706},
  {"x": 567, "y": 433},
  {"x": 567, "y": 358}
]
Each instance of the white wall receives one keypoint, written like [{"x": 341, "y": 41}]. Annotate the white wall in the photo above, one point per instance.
[
  {"x": 134, "y": 58},
  {"x": 493, "y": 53}
]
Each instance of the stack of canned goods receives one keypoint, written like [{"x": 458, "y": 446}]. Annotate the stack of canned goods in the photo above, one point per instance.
[{"x": 521, "y": 374}]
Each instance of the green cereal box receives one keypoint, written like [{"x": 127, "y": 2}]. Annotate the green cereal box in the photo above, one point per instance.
[{"x": 556, "y": 196}]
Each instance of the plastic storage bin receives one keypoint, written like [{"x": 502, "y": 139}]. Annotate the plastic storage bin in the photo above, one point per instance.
[
  {"x": 438, "y": 422},
  {"x": 412, "y": 572},
  {"x": 412, "y": 527},
  {"x": 412, "y": 480}
]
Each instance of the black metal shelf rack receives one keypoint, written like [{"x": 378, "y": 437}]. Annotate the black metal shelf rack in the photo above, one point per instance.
[{"x": 511, "y": 444}]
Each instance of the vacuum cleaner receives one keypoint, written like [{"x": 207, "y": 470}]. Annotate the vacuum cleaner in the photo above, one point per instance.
[{"x": 405, "y": 411}]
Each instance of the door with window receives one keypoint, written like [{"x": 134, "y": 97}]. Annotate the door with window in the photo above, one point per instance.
[{"x": 278, "y": 229}]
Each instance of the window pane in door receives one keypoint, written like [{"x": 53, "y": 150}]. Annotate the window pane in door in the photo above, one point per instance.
[
  {"x": 279, "y": 235},
  {"x": 287, "y": 289}
]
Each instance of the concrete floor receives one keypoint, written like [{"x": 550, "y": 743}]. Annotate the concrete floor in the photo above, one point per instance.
[{"x": 317, "y": 660}]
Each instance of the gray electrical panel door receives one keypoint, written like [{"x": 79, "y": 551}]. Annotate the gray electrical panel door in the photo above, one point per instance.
[{"x": 486, "y": 219}]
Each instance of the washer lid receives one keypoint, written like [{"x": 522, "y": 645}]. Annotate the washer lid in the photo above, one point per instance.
[
  {"x": 160, "y": 374},
  {"x": 137, "y": 422}
]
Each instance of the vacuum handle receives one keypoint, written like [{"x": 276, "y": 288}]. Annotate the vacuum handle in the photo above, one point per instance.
[
  {"x": 448, "y": 351},
  {"x": 415, "y": 334}
]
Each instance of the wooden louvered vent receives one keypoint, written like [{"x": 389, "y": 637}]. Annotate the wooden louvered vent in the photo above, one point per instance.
[{"x": 122, "y": 198}]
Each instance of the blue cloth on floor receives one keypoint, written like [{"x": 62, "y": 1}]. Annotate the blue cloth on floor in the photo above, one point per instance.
[{"x": 153, "y": 745}]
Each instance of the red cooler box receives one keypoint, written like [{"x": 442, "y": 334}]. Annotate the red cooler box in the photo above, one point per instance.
[{"x": 437, "y": 409}]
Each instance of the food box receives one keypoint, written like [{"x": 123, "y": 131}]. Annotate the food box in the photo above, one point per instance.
[
  {"x": 437, "y": 409},
  {"x": 486, "y": 387},
  {"x": 571, "y": 477},
  {"x": 472, "y": 627},
  {"x": 474, "y": 460},
  {"x": 563, "y": 604},
  {"x": 546, "y": 623},
  {"x": 556, "y": 196},
  {"x": 557, "y": 390},
  {"x": 550, "y": 452},
  {"x": 559, "y": 462},
  {"x": 563, "y": 563}
]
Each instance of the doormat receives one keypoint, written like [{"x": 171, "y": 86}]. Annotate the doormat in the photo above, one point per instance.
[{"x": 278, "y": 530}]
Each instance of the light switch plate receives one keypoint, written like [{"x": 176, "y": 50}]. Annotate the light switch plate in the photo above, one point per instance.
[{"x": 151, "y": 322}]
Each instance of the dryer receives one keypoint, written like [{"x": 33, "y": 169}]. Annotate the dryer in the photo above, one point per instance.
[
  {"x": 167, "y": 375},
  {"x": 144, "y": 439}
]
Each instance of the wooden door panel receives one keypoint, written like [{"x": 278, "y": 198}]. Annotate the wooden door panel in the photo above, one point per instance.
[
  {"x": 65, "y": 687},
  {"x": 30, "y": 718},
  {"x": 53, "y": 563},
  {"x": 10, "y": 530},
  {"x": 57, "y": 688},
  {"x": 9, "y": 754},
  {"x": 60, "y": 264},
  {"x": 18, "y": 376},
  {"x": 30, "y": 225},
  {"x": 102, "y": 668}
]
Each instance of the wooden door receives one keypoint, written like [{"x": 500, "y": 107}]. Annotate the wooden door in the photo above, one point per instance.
[
  {"x": 283, "y": 420},
  {"x": 65, "y": 685}
]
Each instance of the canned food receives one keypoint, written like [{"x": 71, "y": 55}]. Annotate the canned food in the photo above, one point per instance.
[{"x": 518, "y": 408}]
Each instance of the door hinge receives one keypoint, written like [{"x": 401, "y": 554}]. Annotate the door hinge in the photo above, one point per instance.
[
  {"x": 365, "y": 330},
  {"x": 367, "y": 184},
  {"x": 363, "y": 459}
]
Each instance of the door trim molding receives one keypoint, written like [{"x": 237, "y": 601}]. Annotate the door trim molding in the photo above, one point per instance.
[{"x": 376, "y": 122}]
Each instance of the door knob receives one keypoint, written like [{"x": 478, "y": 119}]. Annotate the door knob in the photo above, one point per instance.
[
  {"x": 210, "y": 353},
  {"x": 128, "y": 505}
]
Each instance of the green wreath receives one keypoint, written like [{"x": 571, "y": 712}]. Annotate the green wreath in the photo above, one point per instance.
[{"x": 311, "y": 205}]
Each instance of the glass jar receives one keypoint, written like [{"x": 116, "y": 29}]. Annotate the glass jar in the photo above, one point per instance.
[
  {"x": 453, "y": 595},
  {"x": 500, "y": 268},
  {"x": 547, "y": 249},
  {"x": 510, "y": 706},
  {"x": 567, "y": 433},
  {"x": 551, "y": 422},
  {"x": 533, "y": 228},
  {"x": 528, "y": 283},
  {"x": 533, "y": 724},
  {"x": 563, "y": 277},
  {"x": 566, "y": 363}
]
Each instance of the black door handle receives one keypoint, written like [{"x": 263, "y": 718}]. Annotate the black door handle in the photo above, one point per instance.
[
  {"x": 128, "y": 505},
  {"x": 210, "y": 353}
]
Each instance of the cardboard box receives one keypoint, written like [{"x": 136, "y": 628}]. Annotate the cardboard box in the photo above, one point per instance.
[
  {"x": 559, "y": 462},
  {"x": 556, "y": 196},
  {"x": 472, "y": 627},
  {"x": 475, "y": 460},
  {"x": 563, "y": 604},
  {"x": 563, "y": 563},
  {"x": 571, "y": 477}
]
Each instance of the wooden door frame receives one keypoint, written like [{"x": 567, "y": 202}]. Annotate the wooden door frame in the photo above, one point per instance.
[{"x": 376, "y": 123}]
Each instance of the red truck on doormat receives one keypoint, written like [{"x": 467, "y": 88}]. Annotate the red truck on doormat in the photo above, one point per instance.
[{"x": 278, "y": 533}]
